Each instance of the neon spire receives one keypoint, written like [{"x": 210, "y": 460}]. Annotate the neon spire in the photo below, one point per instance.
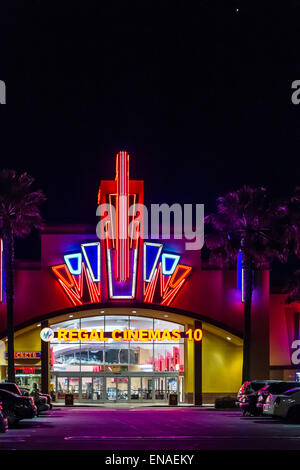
[{"x": 122, "y": 179}]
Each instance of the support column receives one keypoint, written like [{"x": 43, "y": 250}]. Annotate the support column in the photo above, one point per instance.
[
  {"x": 44, "y": 362},
  {"x": 198, "y": 368},
  {"x": 189, "y": 373},
  {"x": 260, "y": 333}
]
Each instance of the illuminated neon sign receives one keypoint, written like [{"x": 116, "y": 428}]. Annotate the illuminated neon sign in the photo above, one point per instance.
[
  {"x": 26, "y": 355},
  {"x": 1, "y": 270},
  {"x": 163, "y": 273},
  {"x": 143, "y": 334},
  {"x": 240, "y": 275}
]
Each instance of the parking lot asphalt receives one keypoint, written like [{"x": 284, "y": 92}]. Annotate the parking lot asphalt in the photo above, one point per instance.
[{"x": 149, "y": 428}]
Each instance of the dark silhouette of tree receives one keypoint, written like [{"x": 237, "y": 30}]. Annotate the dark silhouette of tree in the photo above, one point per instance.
[
  {"x": 247, "y": 220},
  {"x": 293, "y": 288},
  {"x": 19, "y": 214}
]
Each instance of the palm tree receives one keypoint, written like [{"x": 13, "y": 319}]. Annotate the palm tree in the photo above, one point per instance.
[
  {"x": 292, "y": 221},
  {"x": 293, "y": 288},
  {"x": 292, "y": 232},
  {"x": 19, "y": 214},
  {"x": 247, "y": 220}
]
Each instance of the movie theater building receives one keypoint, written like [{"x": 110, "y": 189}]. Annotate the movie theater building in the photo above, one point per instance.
[{"x": 114, "y": 320}]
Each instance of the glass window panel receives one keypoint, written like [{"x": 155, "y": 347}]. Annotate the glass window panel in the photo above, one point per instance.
[
  {"x": 96, "y": 355},
  {"x": 135, "y": 392},
  {"x": 115, "y": 354},
  {"x": 122, "y": 388},
  {"x": 98, "y": 388},
  {"x": 66, "y": 324},
  {"x": 52, "y": 384},
  {"x": 159, "y": 388},
  {"x": 62, "y": 387},
  {"x": 163, "y": 324},
  {"x": 168, "y": 357},
  {"x": 90, "y": 323},
  {"x": 65, "y": 357},
  {"x": 67, "y": 385},
  {"x": 92, "y": 357},
  {"x": 139, "y": 323},
  {"x": 87, "y": 388},
  {"x": 171, "y": 385},
  {"x": 74, "y": 386},
  {"x": 147, "y": 388},
  {"x": 141, "y": 357},
  {"x": 113, "y": 322},
  {"x": 121, "y": 355},
  {"x": 111, "y": 388}
]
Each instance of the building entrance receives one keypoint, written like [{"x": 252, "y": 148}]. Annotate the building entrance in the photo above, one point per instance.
[{"x": 118, "y": 388}]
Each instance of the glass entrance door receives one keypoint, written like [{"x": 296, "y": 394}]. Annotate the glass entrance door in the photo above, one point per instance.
[
  {"x": 87, "y": 388},
  {"x": 111, "y": 389},
  {"x": 171, "y": 385},
  {"x": 62, "y": 387},
  {"x": 160, "y": 388},
  {"x": 122, "y": 388},
  {"x": 67, "y": 385},
  {"x": 147, "y": 388},
  {"x": 74, "y": 386},
  {"x": 135, "y": 392},
  {"x": 98, "y": 388},
  {"x": 117, "y": 389}
]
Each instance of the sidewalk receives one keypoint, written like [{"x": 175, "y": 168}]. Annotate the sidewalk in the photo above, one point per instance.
[{"x": 61, "y": 404}]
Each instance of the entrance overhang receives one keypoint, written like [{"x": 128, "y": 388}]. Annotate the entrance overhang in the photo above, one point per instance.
[{"x": 133, "y": 308}]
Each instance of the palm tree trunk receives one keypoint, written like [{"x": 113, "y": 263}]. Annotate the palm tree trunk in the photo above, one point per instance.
[
  {"x": 248, "y": 283},
  {"x": 8, "y": 245}
]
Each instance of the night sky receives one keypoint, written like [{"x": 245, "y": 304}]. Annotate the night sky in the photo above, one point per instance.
[{"x": 199, "y": 94}]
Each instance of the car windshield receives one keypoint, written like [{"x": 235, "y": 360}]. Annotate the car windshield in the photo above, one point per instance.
[
  {"x": 257, "y": 385},
  {"x": 11, "y": 387}
]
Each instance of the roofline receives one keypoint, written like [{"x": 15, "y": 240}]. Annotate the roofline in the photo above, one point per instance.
[{"x": 103, "y": 305}]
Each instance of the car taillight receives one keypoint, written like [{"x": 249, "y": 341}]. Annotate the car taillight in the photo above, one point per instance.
[{"x": 277, "y": 401}]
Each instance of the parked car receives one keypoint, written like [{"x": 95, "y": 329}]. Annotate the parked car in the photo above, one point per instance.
[
  {"x": 275, "y": 388},
  {"x": 43, "y": 402},
  {"x": 284, "y": 405},
  {"x": 248, "y": 394},
  {"x": 16, "y": 407},
  {"x": 10, "y": 387},
  {"x": 3, "y": 420},
  {"x": 26, "y": 393}
]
